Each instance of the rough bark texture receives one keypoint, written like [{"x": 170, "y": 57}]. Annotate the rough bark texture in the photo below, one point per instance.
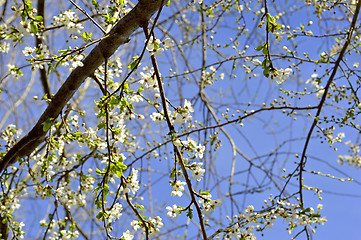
[{"x": 119, "y": 35}]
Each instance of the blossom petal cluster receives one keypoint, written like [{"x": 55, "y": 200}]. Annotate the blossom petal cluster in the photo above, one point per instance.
[
  {"x": 154, "y": 48},
  {"x": 282, "y": 75},
  {"x": 70, "y": 20},
  {"x": 178, "y": 188}
]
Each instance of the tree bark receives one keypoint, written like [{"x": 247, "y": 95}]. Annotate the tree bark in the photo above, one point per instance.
[{"x": 119, "y": 35}]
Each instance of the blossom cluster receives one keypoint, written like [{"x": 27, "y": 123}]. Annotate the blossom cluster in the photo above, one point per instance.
[
  {"x": 114, "y": 69},
  {"x": 10, "y": 202},
  {"x": 56, "y": 233},
  {"x": 191, "y": 146},
  {"x": 314, "y": 80},
  {"x": 281, "y": 75},
  {"x": 243, "y": 225},
  {"x": 178, "y": 188},
  {"x": 154, "y": 225},
  {"x": 70, "y": 20},
  {"x": 10, "y": 135},
  {"x": 178, "y": 116},
  {"x": 331, "y": 137},
  {"x": 154, "y": 48},
  {"x": 115, "y": 212},
  {"x": 354, "y": 158},
  {"x": 148, "y": 80},
  {"x": 209, "y": 205}
]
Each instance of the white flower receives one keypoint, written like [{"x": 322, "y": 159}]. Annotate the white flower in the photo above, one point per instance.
[
  {"x": 356, "y": 64},
  {"x": 198, "y": 171},
  {"x": 70, "y": 20},
  {"x": 14, "y": 71},
  {"x": 167, "y": 43},
  {"x": 172, "y": 211},
  {"x": 74, "y": 120},
  {"x": 133, "y": 182},
  {"x": 199, "y": 151},
  {"x": 188, "y": 105},
  {"x": 178, "y": 187},
  {"x": 177, "y": 142},
  {"x": 147, "y": 80},
  {"x": 189, "y": 143},
  {"x": 208, "y": 204},
  {"x": 249, "y": 209},
  {"x": 5, "y": 47},
  {"x": 28, "y": 51},
  {"x": 135, "y": 225},
  {"x": 315, "y": 75},
  {"x": 239, "y": 8},
  {"x": 156, "y": 117},
  {"x": 115, "y": 213},
  {"x": 182, "y": 115},
  {"x": 135, "y": 99},
  {"x": 153, "y": 46},
  {"x": 24, "y": 29},
  {"x": 127, "y": 236},
  {"x": 76, "y": 61},
  {"x": 282, "y": 75}
]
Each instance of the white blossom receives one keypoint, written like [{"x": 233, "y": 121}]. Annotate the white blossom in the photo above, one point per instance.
[
  {"x": 199, "y": 151},
  {"x": 157, "y": 117},
  {"x": 282, "y": 75},
  {"x": 153, "y": 46},
  {"x": 70, "y": 20},
  {"x": 198, "y": 171},
  {"x": 127, "y": 236},
  {"x": 133, "y": 182},
  {"x": 172, "y": 211},
  {"x": 28, "y": 51},
  {"x": 4, "y": 47},
  {"x": 115, "y": 212},
  {"x": 178, "y": 188},
  {"x": 168, "y": 43}
]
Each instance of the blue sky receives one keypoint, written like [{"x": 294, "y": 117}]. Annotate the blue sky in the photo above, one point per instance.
[{"x": 270, "y": 139}]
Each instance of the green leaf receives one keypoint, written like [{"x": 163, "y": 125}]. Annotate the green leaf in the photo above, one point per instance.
[
  {"x": 264, "y": 50},
  {"x": 122, "y": 166},
  {"x": 39, "y": 18},
  {"x": 33, "y": 27},
  {"x": 259, "y": 48},
  {"x": 95, "y": 3},
  {"x": 172, "y": 174},
  {"x": 87, "y": 36},
  {"x": 278, "y": 26},
  {"x": 270, "y": 19},
  {"x": 140, "y": 207},
  {"x": 100, "y": 215},
  {"x": 133, "y": 65},
  {"x": 172, "y": 134},
  {"x": 190, "y": 213},
  {"x": 101, "y": 125},
  {"x": 204, "y": 193},
  {"x": 47, "y": 124},
  {"x": 266, "y": 72}
]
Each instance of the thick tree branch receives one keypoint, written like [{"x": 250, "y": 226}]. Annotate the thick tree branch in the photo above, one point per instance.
[{"x": 118, "y": 35}]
